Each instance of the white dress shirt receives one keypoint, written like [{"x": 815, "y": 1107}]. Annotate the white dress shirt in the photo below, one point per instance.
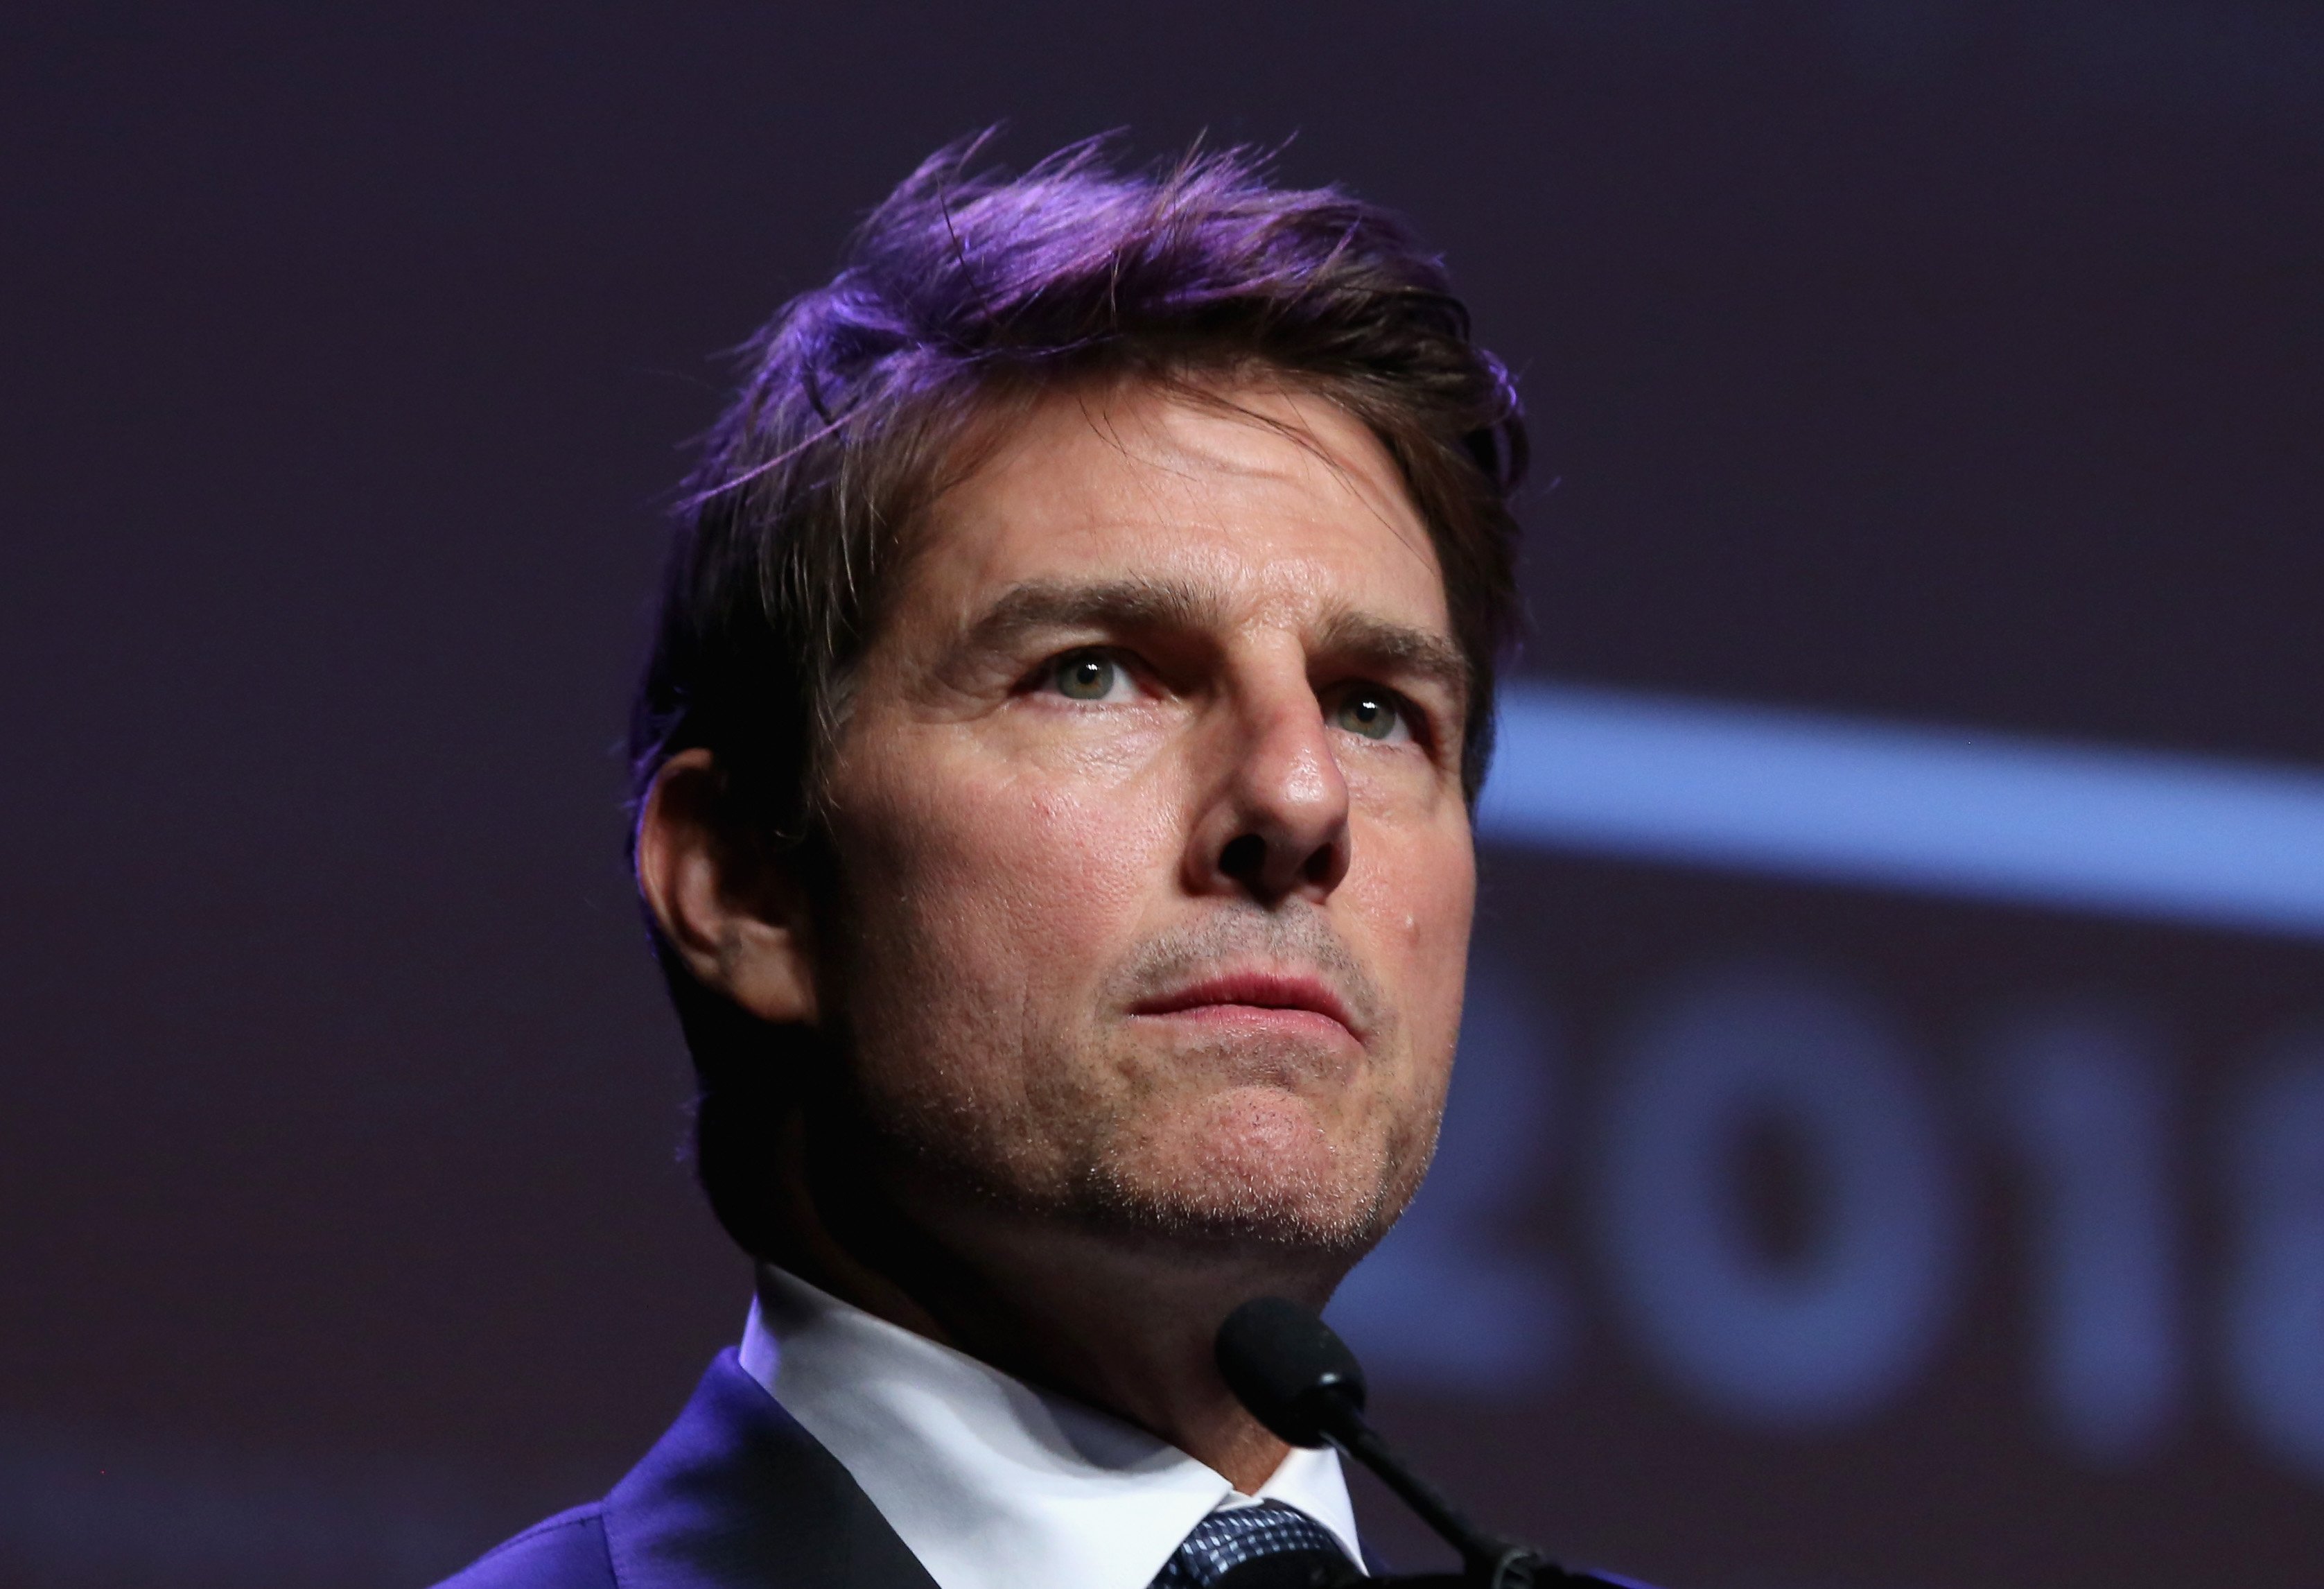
[{"x": 994, "y": 1484}]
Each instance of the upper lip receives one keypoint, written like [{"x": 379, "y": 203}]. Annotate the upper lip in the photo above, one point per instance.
[{"x": 1268, "y": 990}]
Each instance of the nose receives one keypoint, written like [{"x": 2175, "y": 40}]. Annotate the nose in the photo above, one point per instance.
[{"x": 1274, "y": 825}]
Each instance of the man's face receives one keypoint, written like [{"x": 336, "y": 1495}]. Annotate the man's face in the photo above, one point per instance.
[{"x": 1154, "y": 867}]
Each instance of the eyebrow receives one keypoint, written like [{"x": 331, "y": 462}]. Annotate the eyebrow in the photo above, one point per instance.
[
  {"x": 1114, "y": 604},
  {"x": 1134, "y": 604},
  {"x": 1399, "y": 648}
]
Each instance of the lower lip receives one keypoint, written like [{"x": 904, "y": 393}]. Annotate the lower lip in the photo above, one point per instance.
[{"x": 1257, "y": 1018}]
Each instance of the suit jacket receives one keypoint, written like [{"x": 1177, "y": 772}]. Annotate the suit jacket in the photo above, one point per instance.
[{"x": 736, "y": 1496}]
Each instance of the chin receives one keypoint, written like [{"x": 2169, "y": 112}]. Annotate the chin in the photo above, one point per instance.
[{"x": 1256, "y": 1165}]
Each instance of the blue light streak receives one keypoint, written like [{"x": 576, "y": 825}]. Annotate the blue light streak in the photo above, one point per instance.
[{"x": 1976, "y": 814}]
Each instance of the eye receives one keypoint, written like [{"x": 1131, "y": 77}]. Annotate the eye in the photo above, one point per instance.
[
  {"x": 1085, "y": 675},
  {"x": 1375, "y": 714}
]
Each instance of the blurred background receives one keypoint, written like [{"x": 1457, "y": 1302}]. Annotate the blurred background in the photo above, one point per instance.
[{"x": 1888, "y": 1151}]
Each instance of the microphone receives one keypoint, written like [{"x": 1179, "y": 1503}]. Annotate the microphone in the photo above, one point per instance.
[{"x": 1298, "y": 1379}]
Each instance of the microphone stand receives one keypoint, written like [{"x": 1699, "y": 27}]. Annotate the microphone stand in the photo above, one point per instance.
[
  {"x": 1298, "y": 1379},
  {"x": 1487, "y": 1561}
]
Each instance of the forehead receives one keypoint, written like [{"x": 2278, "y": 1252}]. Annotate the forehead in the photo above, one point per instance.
[{"x": 1278, "y": 504}]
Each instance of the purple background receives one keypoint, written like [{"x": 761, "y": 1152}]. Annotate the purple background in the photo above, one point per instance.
[{"x": 1946, "y": 360}]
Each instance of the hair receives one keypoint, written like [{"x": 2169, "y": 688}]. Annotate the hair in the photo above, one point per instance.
[{"x": 964, "y": 298}]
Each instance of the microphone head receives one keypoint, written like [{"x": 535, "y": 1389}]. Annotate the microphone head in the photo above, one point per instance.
[{"x": 1287, "y": 1368}]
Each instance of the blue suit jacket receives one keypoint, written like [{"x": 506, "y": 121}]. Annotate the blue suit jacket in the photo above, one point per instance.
[{"x": 736, "y": 1496}]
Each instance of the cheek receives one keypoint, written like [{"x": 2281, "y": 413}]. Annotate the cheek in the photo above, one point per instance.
[
  {"x": 1416, "y": 898},
  {"x": 992, "y": 895}
]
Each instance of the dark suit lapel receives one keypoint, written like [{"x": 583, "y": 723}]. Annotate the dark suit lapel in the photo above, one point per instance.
[{"x": 738, "y": 1496}]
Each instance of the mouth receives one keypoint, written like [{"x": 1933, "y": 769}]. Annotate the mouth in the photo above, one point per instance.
[{"x": 1258, "y": 999}]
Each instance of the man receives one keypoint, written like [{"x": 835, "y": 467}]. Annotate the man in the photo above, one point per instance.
[{"x": 1053, "y": 809}]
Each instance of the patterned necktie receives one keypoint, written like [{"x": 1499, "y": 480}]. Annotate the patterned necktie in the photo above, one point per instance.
[{"x": 1268, "y": 1546}]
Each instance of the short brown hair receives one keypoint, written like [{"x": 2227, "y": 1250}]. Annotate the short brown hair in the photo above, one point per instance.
[{"x": 964, "y": 296}]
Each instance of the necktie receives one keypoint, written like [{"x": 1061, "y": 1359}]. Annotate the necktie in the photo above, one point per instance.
[{"x": 1268, "y": 1546}]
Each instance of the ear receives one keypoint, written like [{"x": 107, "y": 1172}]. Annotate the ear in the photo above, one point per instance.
[{"x": 745, "y": 934}]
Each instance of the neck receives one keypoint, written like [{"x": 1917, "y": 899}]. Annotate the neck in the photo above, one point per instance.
[{"x": 1122, "y": 1321}]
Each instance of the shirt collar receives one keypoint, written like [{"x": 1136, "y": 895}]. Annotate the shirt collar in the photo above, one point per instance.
[{"x": 990, "y": 1482}]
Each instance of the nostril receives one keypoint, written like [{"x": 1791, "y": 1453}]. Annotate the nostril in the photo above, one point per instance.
[
  {"x": 1244, "y": 858},
  {"x": 1324, "y": 865}
]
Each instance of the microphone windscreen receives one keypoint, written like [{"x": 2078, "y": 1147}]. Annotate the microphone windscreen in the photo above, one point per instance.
[{"x": 1287, "y": 1368}]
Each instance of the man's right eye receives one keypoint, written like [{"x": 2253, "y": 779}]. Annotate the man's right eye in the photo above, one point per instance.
[{"x": 1085, "y": 675}]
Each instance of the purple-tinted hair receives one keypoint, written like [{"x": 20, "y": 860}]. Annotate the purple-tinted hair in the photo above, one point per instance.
[{"x": 965, "y": 298}]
